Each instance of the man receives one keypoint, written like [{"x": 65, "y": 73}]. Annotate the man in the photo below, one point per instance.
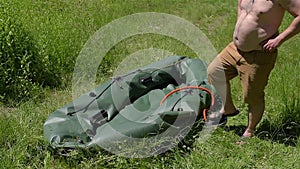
[{"x": 252, "y": 55}]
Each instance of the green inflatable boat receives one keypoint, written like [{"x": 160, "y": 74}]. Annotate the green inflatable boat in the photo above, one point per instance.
[{"x": 147, "y": 110}]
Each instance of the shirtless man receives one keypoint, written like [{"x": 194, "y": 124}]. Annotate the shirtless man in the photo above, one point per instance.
[{"x": 252, "y": 55}]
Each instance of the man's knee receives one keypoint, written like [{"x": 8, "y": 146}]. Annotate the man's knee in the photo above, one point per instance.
[
  {"x": 211, "y": 71},
  {"x": 215, "y": 72}
]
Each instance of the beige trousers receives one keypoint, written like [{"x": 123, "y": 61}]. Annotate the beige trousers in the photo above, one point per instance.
[{"x": 253, "y": 68}]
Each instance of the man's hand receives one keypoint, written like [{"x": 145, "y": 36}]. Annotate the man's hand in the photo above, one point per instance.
[{"x": 272, "y": 44}]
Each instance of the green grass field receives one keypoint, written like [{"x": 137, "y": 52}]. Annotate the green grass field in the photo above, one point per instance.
[{"x": 62, "y": 27}]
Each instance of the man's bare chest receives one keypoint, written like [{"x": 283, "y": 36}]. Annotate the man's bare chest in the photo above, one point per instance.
[{"x": 258, "y": 7}]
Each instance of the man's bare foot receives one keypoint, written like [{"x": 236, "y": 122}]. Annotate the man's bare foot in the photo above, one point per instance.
[
  {"x": 242, "y": 140},
  {"x": 222, "y": 113},
  {"x": 228, "y": 112},
  {"x": 246, "y": 136},
  {"x": 248, "y": 133},
  {"x": 220, "y": 119}
]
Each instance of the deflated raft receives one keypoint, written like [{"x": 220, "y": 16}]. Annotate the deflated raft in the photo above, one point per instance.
[{"x": 159, "y": 101}]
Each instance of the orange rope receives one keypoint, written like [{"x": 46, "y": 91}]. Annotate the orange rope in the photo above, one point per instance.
[{"x": 192, "y": 87}]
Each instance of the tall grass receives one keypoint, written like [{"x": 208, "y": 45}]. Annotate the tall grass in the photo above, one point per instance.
[
  {"x": 24, "y": 66},
  {"x": 61, "y": 28}
]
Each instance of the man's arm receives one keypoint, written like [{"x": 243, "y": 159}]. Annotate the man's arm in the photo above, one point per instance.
[{"x": 293, "y": 7}]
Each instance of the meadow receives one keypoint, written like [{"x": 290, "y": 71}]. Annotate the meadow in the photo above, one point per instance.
[{"x": 48, "y": 37}]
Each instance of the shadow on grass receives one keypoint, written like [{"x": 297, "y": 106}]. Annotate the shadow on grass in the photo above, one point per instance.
[
  {"x": 238, "y": 130},
  {"x": 283, "y": 127},
  {"x": 286, "y": 132}
]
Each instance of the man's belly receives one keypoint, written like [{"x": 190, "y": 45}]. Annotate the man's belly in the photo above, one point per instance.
[{"x": 248, "y": 34}]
